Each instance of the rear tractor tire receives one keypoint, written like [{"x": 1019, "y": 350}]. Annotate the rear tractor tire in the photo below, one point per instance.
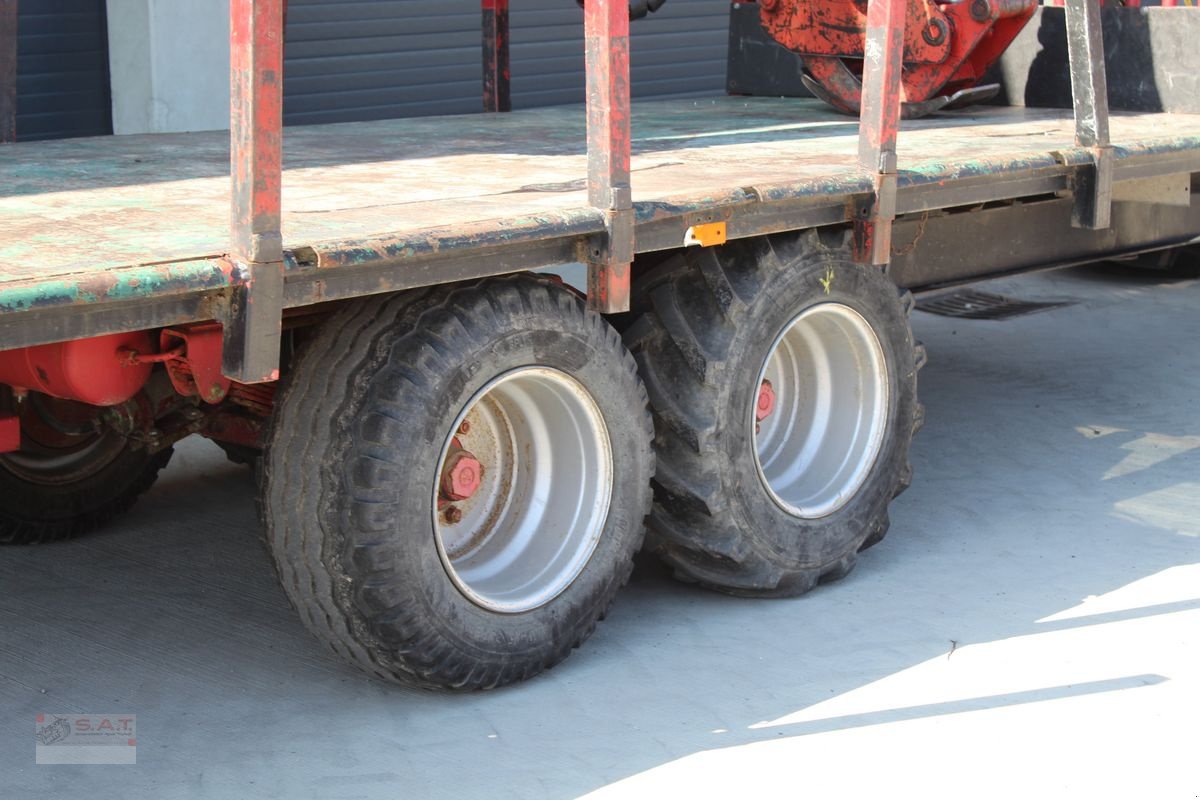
[
  {"x": 73, "y": 473},
  {"x": 457, "y": 481},
  {"x": 782, "y": 377}
]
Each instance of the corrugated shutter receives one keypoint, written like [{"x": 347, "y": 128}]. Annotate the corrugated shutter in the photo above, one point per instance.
[
  {"x": 62, "y": 70},
  {"x": 394, "y": 58}
]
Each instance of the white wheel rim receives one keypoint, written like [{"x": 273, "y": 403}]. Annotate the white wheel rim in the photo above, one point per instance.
[
  {"x": 829, "y": 375},
  {"x": 531, "y": 527}
]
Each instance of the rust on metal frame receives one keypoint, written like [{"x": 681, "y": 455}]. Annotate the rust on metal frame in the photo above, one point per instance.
[
  {"x": 198, "y": 372},
  {"x": 8, "y": 71},
  {"x": 606, "y": 33},
  {"x": 497, "y": 93},
  {"x": 1089, "y": 100},
  {"x": 253, "y": 323},
  {"x": 878, "y": 126},
  {"x": 947, "y": 47},
  {"x": 838, "y": 28}
]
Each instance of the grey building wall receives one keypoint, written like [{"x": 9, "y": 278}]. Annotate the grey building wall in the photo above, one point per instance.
[{"x": 376, "y": 60}]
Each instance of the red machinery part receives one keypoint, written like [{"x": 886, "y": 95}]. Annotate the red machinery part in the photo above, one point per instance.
[
  {"x": 98, "y": 371},
  {"x": 947, "y": 46},
  {"x": 198, "y": 372},
  {"x": 766, "y": 401},
  {"x": 10, "y": 434},
  {"x": 462, "y": 474}
]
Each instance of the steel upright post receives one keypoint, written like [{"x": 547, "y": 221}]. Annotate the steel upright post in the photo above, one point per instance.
[
  {"x": 253, "y": 322},
  {"x": 497, "y": 94},
  {"x": 606, "y": 30},
  {"x": 878, "y": 125},
  {"x": 1089, "y": 94}
]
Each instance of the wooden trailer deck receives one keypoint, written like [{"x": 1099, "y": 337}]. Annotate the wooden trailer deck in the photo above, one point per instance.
[{"x": 121, "y": 218}]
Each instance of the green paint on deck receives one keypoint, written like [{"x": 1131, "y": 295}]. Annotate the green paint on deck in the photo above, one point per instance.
[{"x": 77, "y": 217}]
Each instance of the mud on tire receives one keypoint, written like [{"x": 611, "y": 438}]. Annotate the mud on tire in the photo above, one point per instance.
[
  {"x": 708, "y": 320},
  {"x": 351, "y": 472}
]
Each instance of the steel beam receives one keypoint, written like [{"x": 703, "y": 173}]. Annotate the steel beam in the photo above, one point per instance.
[
  {"x": 879, "y": 122},
  {"x": 1089, "y": 91},
  {"x": 497, "y": 92},
  {"x": 253, "y": 321},
  {"x": 606, "y": 31},
  {"x": 8, "y": 71}
]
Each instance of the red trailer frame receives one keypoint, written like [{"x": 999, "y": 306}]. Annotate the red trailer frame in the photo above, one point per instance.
[
  {"x": 255, "y": 262},
  {"x": 256, "y": 122}
]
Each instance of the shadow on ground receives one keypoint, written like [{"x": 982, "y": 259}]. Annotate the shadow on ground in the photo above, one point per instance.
[{"x": 1059, "y": 463}]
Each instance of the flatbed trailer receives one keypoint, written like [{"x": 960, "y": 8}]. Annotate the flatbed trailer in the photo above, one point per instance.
[
  {"x": 458, "y": 463},
  {"x": 100, "y": 234}
]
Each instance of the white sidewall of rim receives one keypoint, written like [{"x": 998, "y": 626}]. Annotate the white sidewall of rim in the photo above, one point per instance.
[
  {"x": 537, "y": 518},
  {"x": 829, "y": 373}
]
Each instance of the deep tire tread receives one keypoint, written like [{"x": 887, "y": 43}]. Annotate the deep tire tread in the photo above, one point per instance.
[
  {"x": 681, "y": 342},
  {"x": 20, "y": 529},
  {"x": 338, "y": 576}
]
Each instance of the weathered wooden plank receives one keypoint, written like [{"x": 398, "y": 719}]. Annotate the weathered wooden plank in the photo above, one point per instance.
[{"x": 83, "y": 207}]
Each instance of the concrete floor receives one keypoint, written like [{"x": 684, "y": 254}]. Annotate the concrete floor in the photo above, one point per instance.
[{"x": 1030, "y": 628}]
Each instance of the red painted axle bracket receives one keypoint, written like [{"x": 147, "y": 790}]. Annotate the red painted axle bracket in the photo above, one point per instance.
[
  {"x": 197, "y": 371},
  {"x": 947, "y": 47}
]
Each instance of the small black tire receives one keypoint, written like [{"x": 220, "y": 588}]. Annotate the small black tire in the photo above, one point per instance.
[
  {"x": 356, "y": 446},
  {"x": 36, "y": 508},
  {"x": 707, "y": 322}
]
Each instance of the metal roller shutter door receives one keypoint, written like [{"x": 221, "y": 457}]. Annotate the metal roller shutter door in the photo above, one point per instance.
[
  {"x": 62, "y": 70},
  {"x": 380, "y": 59}
]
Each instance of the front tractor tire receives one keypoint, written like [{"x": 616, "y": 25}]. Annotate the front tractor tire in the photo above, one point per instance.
[
  {"x": 783, "y": 380},
  {"x": 457, "y": 481}
]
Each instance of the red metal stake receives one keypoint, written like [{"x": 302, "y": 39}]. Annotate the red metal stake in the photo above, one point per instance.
[
  {"x": 252, "y": 329},
  {"x": 878, "y": 126},
  {"x": 8, "y": 71},
  {"x": 606, "y": 30},
  {"x": 497, "y": 94}
]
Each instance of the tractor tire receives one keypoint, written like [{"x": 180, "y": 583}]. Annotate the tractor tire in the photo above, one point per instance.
[
  {"x": 65, "y": 483},
  {"x": 783, "y": 381},
  {"x": 397, "y": 573}
]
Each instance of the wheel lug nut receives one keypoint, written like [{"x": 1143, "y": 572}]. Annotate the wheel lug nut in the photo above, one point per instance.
[
  {"x": 461, "y": 476},
  {"x": 765, "y": 403},
  {"x": 464, "y": 427},
  {"x": 452, "y": 515}
]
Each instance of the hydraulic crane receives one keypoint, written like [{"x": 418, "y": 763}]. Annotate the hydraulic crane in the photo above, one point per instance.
[{"x": 948, "y": 46}]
